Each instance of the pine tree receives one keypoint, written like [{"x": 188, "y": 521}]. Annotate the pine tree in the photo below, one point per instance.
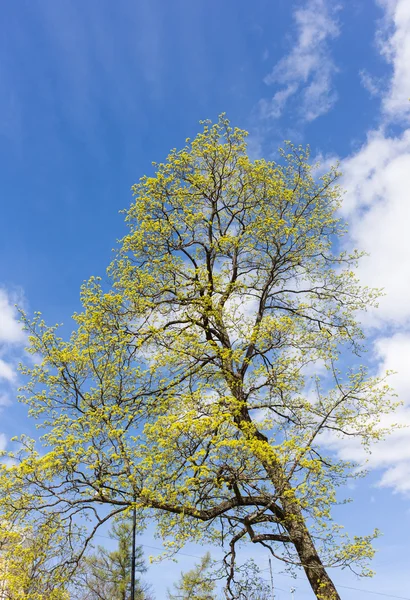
[
  {"x": 196, "y": 584},
  {"x": 107, "y": 574}
]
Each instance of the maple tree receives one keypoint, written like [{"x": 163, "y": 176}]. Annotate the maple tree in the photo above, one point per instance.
[{"x": 202, "y": 385}]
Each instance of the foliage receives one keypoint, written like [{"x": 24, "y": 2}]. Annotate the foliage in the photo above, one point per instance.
[
  {"x": 186, "y": 388},
  {"x": 27, "y": 560},
  {"x": 196, "y": 584}
]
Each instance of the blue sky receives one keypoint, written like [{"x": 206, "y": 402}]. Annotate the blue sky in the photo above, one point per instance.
[{"x": 92, "y": 92}]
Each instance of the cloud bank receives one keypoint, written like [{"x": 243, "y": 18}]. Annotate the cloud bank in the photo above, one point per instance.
[{"x": 377, "y": 207}]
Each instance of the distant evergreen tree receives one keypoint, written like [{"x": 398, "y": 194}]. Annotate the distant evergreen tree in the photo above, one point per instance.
[
  {"x": 196, "y": 584},
  {"x": 107, "y": 574}
]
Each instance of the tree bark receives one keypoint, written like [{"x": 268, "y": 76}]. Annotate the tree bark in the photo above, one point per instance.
[
  {"x": 293, "y": 519},
  {"x": 319, "y": 580}
]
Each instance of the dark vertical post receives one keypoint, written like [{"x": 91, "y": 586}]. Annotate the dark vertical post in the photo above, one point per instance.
[
  {"x": 271, "y": 580},
  {"x": 134, "y": 535}
]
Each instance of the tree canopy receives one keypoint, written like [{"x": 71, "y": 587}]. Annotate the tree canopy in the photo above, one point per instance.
[{"x": 202, "y": 384}]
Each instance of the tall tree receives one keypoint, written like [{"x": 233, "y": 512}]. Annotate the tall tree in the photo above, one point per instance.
[
  {"x": 186, "y": 388},
  {"x": 196, "y": 584},
  {"x": 107, "y": 574}
]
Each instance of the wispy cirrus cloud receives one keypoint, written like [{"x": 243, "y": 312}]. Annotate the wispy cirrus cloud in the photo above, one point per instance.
[
  {"x": 370, "y": 83},
  {"x": 306, "y": 73}
]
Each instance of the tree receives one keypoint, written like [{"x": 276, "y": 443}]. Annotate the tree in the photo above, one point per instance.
[
  {"x": 252, "y": 587},
  {"x": 27, "y": 560},
  {"x": 196, "y": 584},
  {"x": 107, "y": 574},
  {"x": 186, "y": 388}
]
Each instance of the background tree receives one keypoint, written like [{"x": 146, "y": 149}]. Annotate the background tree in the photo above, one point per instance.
[
  {"x": 186, "y": 388},
  {"x": 251, "y": 587},
  {"x": 196, "y": 584},
  {"x": 107, "y": 574},
  {"x": 27, "y": 563}
]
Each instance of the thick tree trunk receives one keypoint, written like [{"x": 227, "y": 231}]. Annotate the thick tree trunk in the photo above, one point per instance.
[
  {"x": 319, "y": 580},
  {"x": 293, "y": 519},
  {"x": 294, "y": 522}
]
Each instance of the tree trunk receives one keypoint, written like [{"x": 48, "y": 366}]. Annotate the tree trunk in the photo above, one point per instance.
[
  {"x": 293, "y": 519},
  {"x": 294, "y": 522},
  {"x": 319, "y": 580}
]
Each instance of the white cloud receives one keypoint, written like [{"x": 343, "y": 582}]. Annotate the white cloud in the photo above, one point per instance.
[
  {"x": 12, "y": 338},
  {"x": 308, "y": 68},
  {"x": 272, "y": 109},
  {"x": 3, "y": 442},
  {"x": 370, "y": 83},
  {"x": 10, "y": 328},
  {"x": 392, "y": 455},
  {"x": 4, "y": 399},
  {"x": 377, "y": 180},
  {"x": 7, "y": 372},
  {"x": 394, "y": 43}
]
